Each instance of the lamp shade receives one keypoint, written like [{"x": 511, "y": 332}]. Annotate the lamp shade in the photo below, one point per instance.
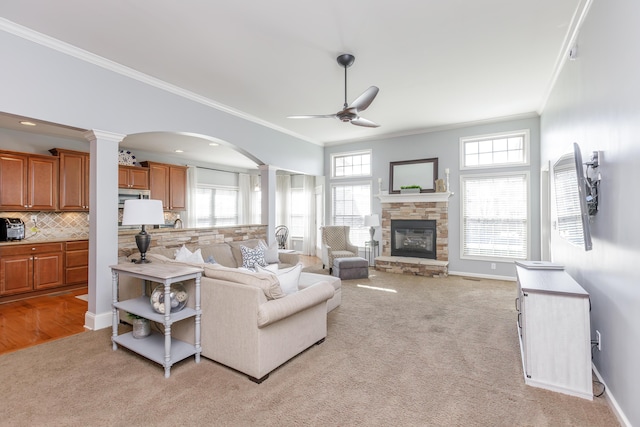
[
  {"x": 142, "y": 212},
  {"x": 372, "y": 220}
]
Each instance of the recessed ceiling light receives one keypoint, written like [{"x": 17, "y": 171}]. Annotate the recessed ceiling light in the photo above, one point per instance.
[
  {"x": 26, "y": 123},
  {"x": 213, "y": 144},
  {"x": 179, "y": 151}
]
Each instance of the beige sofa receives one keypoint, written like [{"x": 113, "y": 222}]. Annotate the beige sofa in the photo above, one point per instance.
[{"x": 247, "y": 323}]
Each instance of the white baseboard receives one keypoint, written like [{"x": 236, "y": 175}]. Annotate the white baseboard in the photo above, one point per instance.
[
  {"x": 612, "y": 400},
  {"x": 482, "y": 276},
  {"x": 93, "y": 321}
]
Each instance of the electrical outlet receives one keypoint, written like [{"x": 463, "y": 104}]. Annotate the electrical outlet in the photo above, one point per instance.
[
  {"x": 34, "y": 218},
  {"x": 599, "y": 340},
  {"x": 493, "y": 265}
]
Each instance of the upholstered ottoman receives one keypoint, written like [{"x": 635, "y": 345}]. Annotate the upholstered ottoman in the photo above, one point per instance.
[{"x": 350, "y": 268}]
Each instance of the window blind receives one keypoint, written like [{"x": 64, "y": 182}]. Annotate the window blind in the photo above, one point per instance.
[{"x": 495, "y": 216}]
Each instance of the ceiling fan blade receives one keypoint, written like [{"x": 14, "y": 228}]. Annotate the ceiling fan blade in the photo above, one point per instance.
[
  {"x": 317, "y": 116},
  {"x": 363, "y": 101},
  {"x": 359, "y": 121}
]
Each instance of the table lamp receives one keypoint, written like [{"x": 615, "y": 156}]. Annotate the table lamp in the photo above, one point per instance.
[
  {"x": 142, "y": 212},
  {"x": 372, "y": 221}
]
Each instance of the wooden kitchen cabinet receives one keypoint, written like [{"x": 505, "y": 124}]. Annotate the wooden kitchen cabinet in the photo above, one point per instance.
[
  {"x": 28, "y": 182},
  {"x": 76, "y": 262},
  {"x": 74, "y": 179},
  {"x": 169, "y": 184},
  {"x": 27, "y": 268},
  {"x": 133, "y": 177}
]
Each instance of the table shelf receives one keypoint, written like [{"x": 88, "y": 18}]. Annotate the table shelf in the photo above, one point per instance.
[{"x": 158, "y": 347}]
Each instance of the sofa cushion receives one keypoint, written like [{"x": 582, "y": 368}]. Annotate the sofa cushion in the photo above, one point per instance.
[
  {"x": 221, "y": 253},
  {"x": 253, "y": 257},
  {"x": 288, "y": 277},
  {"x": 265, "y": 281}
]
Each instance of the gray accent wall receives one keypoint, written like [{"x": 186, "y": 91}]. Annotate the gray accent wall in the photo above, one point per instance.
[
  {"x": 595, "y": 102},
  {"x": 445, "y": 145}
]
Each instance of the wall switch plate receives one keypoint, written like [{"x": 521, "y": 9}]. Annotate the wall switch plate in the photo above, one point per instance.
[
  {"x": 599, "y": 340},
  {"x": 493, "y": 265}
]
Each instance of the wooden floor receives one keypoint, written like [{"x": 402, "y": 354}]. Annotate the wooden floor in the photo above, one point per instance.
[{"x": 34, "y": 321}]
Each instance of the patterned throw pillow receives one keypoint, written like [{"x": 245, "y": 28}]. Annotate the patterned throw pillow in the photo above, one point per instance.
[{"x": 252, "y": 257}]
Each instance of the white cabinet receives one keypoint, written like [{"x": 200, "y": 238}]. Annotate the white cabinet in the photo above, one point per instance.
[
  {"x": 161, "y": 348},
  {"x": 554, "y": 329}
]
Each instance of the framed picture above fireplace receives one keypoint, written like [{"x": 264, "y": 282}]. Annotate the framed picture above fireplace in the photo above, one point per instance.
[{"x": 423, "y": 172}]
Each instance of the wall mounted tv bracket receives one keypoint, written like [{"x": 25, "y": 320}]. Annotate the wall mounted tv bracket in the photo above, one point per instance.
[{"x": 592, "y": 177}]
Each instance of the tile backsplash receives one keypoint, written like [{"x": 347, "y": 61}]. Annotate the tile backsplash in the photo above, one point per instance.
[{"x": 53, "y": 225}]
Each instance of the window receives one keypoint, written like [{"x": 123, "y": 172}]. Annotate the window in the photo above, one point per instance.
[
  {"x": 505, "y": 149},
  {"x": 298, "y": 213},
  {"x": 350, "y": 203},
  {"x": 495, "y": 216},
  {"x": 349, "y": 165},
  {"x": 216, "y": 206}
]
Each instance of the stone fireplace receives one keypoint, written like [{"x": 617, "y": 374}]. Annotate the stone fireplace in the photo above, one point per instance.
[{"x": 419, "y": 241}]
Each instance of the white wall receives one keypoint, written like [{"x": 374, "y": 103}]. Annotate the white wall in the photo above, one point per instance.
[
  {"x": 445, "y": 145},
  {"x": 595, "y": 102}
]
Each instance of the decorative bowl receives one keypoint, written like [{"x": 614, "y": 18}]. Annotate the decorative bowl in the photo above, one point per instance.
[{"x": 178, "y": 298}]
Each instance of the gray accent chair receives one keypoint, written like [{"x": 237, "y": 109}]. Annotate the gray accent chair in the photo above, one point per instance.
[{"x": 336, "y": 244}]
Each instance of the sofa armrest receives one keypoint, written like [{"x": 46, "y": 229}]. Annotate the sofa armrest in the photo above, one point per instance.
[
  {"x": 288, "y": 258},
  {"x": 274, "y": 310}
]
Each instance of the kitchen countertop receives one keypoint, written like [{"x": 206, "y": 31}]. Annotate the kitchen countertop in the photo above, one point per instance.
[{"x": 35, "y": 242}]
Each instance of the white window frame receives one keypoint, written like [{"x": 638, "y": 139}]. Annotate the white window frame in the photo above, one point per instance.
[
  {"x": 359, "y": 230},
  {"x": 477, "y": 138},
  {"x": 335, "y": 156},
  {"x": 527, "y": 180}
]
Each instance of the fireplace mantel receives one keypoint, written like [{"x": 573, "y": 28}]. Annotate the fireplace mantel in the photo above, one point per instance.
[{"x": 385, "y": 197}]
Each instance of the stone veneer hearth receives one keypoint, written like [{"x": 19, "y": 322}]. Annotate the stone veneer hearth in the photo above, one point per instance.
[{"x": 433, "y": 206}]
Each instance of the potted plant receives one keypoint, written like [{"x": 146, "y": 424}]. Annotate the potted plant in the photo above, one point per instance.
[
  {"x": 410, "y": 189},
  {"x": 141, "y": 326}
]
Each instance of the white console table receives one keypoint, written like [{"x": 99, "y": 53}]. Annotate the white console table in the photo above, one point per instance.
[
  {"x": 554, "y": 329},
  {"x": 160, "y": 348}
]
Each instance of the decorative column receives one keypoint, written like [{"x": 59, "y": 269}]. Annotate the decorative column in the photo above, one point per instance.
[
  {"x": 103, "y": 225},
  {"x": 268, "y": 188}
]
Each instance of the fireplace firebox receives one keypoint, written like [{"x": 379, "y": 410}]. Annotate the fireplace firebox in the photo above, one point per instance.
[{"x": 413, "y": 238}]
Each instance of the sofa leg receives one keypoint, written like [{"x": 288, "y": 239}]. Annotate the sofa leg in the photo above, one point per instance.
[
  {"x": 320, "y": 342},
  {"x": 258, "y": 380}
]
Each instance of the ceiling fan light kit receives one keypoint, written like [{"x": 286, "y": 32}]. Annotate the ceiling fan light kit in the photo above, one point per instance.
[{"x": 349, "y": 112}]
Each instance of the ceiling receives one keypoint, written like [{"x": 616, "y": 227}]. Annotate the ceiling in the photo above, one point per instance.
[{"x": 438, "y": 64}]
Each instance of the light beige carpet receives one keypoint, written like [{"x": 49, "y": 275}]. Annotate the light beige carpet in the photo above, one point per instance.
[{"x": 434, "y": 352}]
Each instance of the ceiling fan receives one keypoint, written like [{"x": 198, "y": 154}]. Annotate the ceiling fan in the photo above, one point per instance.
[{"x": 350, "y": 112}]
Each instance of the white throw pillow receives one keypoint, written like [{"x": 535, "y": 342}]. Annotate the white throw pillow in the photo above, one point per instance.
[
  {"x": 195, "y": 257},
  {"x": 185, "y": 255},
  {"x": 288, "y": 277},
  {"x": 270, "y": 253}
]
